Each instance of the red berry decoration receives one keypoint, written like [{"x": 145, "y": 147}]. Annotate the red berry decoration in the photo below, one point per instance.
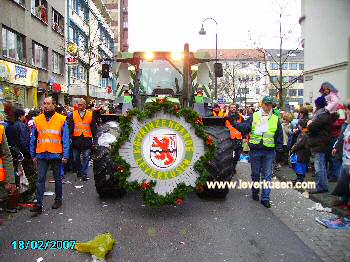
[
  {"x": 145, "y": 185},
  {"x": 200, "y": 188},
  {"x": 176, "y": 109},
  {"x": 179, "y": 201},
  {"x": 199, "y": 121},
  {"x": 161, "y": 100},
  {"x": 210, "y": 140},
  {"x": 120, "y": 169}
]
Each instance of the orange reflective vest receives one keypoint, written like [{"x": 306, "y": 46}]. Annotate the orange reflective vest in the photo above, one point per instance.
[
  {"x": 2, "y": 169},
  {"x": 82, "y": 126},
  {"x": 218, "y": 114},
  {"x": 234, "y": 133},
  {"x": 49, "y": 133}
]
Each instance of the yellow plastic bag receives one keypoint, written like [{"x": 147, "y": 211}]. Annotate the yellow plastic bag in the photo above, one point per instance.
[{"x": 99, "y": 246}]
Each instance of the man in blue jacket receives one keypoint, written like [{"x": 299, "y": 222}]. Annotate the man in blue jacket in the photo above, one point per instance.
[
  {"x": 266, "y": 137},
  {"x": 49, "y": 144}
]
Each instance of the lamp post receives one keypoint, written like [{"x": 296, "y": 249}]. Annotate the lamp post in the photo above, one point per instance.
[
  {"x": 244, "y": 80},
  {"x": 203, "y": 32}
]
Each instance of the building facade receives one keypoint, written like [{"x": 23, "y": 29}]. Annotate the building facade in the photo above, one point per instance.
[
  {"x": 325, "y": 28},
  {"x": 89, "y": 27},
  {"x": 292, "y": 62},
  {"x": 243, "y": 81},
  {"x": 32, "y": 48},
  {"x": 118, "y": 10}
]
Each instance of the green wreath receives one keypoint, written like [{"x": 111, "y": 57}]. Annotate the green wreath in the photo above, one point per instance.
[{"x": 123, "y": 168}]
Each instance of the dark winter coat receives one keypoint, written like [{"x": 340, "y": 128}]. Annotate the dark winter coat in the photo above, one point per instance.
[
  {"x": 320, "y": 131},
  {"x": 301, "y": 148},
  {"x": 18, "y": 135}
]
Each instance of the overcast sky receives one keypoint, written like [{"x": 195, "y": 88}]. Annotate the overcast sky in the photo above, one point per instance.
[{"x": 168, "y": 24}]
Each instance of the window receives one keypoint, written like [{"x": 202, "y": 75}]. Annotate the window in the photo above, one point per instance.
[
  {"x": 272, "y": 92},
  {"x": 284, "y": 66},
  {"x": 57, "y": 22},
  {"x": 39, "y": 9},
  {"x": 274, "y": 79},
  {"x": 301, "y": 66},
  {"x": 83, "y": 11},
  {"x": 77, "y": 36},
  {"x": 292, "y": 79},
  {"x": 57, "y": 63},
  {"x": 274, "y": 66},
  {"x": 78, "y": 72},
  {"x": 300, "y": 79},
  {"x": 20, "y": 2},
  {"x": 285, "y": 79},
  {"x": 12, "y": 44},
  {"x": 39, "y": 55},
  {"x": 293, "y": 66},
  {"x": 103, "y": 82},
  {"x": 292, "y": 92},
  {"x": 257, "y": 78},
  {"x": 257, "y": 91},
  {"x": 300, "y": 92}
]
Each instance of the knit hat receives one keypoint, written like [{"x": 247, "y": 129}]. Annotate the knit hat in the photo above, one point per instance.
[{"x": 320, "y": 102}]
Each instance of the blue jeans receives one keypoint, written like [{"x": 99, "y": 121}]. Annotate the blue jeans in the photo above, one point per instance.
[
  {"x": 43, "y": 166},
  {"x": 81, "y": 168},
  {"x": 261, "y": 162},
  {"x": 334, "y": 169},
  {"x": 320, "y": 171}
]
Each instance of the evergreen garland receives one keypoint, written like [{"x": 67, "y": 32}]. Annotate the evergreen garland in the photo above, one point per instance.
[{"x": 123, "y": 168}]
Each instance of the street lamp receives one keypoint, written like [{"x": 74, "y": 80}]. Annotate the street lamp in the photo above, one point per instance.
[{"x": 203, "y": 32}]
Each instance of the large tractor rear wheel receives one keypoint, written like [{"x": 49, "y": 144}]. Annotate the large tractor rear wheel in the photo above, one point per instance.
[{"x": 220, "y": 168}]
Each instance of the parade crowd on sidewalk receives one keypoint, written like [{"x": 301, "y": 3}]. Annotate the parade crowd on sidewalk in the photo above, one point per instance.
[{"x": 311, "y": 138}]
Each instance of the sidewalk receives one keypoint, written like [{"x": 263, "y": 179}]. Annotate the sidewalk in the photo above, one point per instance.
[{"x": 326, "y": 199}]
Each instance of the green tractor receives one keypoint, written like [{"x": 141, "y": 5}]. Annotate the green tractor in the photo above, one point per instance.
[{"x": 164, "y": 145}]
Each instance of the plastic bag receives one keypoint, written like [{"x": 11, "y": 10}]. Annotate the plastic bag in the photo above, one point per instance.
[
  {"x": 99, "y": 246},
  {"x": 293, "y": 158},
  {"x": 106, "y": 139},
  {"x": 23, "y": 184}
]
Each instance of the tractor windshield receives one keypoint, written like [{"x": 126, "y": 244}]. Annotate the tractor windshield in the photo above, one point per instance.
[{"x": 161, "y": 77}]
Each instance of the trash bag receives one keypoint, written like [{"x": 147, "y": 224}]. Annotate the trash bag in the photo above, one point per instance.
[
  {"x": 99, "y": 246},
  {"x": 23, "y": 184}
]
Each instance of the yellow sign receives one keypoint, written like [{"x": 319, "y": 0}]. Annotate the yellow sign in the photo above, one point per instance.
[
  {"x": 18, "y": 74},
  {"x": 72, "y": 49}
]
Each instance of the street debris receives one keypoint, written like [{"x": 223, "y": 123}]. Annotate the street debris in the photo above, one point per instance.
[
  {"x": 60, "y": 213},
  {"x": 335, "y": 222},
  {"x": 318, "y": 207},
  {"x": 95, "y": 259},
  {"x": 49, "y": 193},
  {"x": 69, "y": 219},
  {"x": 39, "y": 259},
  {"x": 151, "y": 231},
  {"x": 182, "y": 243},
  {"x": 306, "y": 194},
  {"x": 66, "y": 182},
  {"x": 105, "y": 206},
  {"x": 79, "y": 186},
  {"x": 98, "y": 247}
]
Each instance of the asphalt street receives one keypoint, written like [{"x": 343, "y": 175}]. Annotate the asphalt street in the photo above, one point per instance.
[{"x": 236, "y": 229}]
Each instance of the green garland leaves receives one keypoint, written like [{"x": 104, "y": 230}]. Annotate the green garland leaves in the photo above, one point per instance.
[{"x": 123, "y": 168}]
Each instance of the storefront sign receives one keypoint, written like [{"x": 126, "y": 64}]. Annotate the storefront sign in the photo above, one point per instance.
[{"x": 17, "y": 74}]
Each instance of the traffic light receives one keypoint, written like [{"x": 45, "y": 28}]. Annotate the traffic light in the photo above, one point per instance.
[
  {"x": 105, "y": 70},
  {"x": 218, "y": 70}
]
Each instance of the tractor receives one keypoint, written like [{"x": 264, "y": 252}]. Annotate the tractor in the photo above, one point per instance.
[{"x": 146, "y": 78}]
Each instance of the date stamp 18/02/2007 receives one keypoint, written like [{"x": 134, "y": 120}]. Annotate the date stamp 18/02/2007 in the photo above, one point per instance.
[{"x": 43, "y": 244}]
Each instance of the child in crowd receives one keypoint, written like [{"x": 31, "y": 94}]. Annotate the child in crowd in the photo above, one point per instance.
[{"x": 302, "y": 152}]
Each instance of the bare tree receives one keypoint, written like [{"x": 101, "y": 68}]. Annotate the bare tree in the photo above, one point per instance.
[
  {"x": 227, "y": 84},
  {"x": 282, "y": 55}
]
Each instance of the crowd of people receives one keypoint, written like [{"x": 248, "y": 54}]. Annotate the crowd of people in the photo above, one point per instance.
[
  {"x": 55, "y": 137},
  {"x": 310, "y": 138}
]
